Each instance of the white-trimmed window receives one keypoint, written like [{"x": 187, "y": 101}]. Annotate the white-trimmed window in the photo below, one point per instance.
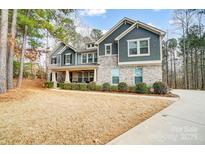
[
  {"x": 95, "y": 57},
  {"x": 84, "y": 58},
  {"x": 67, "y": 58},
  {"x": 138, "y": 47},
  {"x": 108, "y": 49},
  {"x": 90, "y": 58}
]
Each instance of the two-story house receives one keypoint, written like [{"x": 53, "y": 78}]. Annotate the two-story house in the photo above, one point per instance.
[{"x": 131, "y": 52}]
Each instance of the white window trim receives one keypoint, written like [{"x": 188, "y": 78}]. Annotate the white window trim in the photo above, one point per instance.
[
  {"x": 108, "y": 44},
  {"x": 92, "y": 57},
  {"x": 65, "y": 58},
  {"x": 93, "y": 61},
  {"x": 52, "y": 59},
  {"x": 138, "y": 47},
  {"x": 82, "y": 58}
]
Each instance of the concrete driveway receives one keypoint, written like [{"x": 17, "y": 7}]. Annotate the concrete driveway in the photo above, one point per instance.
[{"x": 183, "y": 122}]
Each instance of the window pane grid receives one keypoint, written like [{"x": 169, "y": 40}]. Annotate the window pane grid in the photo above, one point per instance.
[{"x": 138, "y": 47}]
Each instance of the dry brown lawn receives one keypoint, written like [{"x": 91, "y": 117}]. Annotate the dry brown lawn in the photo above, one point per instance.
[{"x": 34, "y": 115}]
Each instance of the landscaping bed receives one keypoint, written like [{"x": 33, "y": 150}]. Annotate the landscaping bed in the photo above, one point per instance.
[
  {"x": 157, "y": 89},
  {"x": 72, "y": 117}
]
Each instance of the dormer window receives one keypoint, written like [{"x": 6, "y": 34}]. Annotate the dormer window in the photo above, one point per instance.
[{"x": 91, "y": 45}]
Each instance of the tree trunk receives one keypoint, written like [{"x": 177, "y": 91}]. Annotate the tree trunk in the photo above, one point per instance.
[
  {"x": 11, "y": 52},
  {"x": 184, "y": 60},
  {"x": 202, "y": 70},
  {"x": 175, "y": 75},
  {"x": 20, "y": 78},
  {"x": 171, "y": 75},
  {"x": 196, "y": 78},
  {"x": 3, "y": 49},
  {"x": 192, "y": 86}
]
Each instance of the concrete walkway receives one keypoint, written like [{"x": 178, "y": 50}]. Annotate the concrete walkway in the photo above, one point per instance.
[{"x": 183, "y": 122}]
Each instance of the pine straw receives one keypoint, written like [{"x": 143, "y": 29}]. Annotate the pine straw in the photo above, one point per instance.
[{"x": 58, "y": 117}]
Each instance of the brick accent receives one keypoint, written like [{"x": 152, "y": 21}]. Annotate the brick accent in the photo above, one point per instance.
[{"x": 151, "y": 73}]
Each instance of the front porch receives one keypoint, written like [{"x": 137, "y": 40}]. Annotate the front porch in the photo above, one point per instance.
[{"x": 74, "y": 75}]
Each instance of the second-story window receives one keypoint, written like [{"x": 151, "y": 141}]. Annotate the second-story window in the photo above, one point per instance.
[
  {"x": 90, "y": 58},
  {"x": 108, "y": 49},
  {"x": 68, "y": 59},
  {"x": 95, "y": 57},
  {"x": 144, "y": 48},
  {"x": 54, "y": 60},
  {"x": 138, "y": 47},
  {"x": 132, "y": 48},
  {"x": 84, "y": 58}
]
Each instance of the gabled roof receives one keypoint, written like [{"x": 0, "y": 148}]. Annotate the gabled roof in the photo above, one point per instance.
[
  {"x": 114, "y": 28},
  {"x": 61, "y": 51},
  {"x": 143, "y": 25}
]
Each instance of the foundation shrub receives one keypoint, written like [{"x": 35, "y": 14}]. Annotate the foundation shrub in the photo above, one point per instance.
[
  {"x": 91, "y": 86},
  {"x": 141, "y": 88},
  {"x": 132, "y": 89},
  {"x": 122, "y": 87},
  {"x": 160, "y": 87},
  {"x": 114, "y": 88},
  {"x": 106, "y": 86}
]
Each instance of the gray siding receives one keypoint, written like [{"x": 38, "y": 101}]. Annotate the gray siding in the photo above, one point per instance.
[
  {"x": 111, "y": 39},
  {"x": 68, "y": 50},
  {"x": 138, "y": 33},
  {"x": 58, "y": 49}
]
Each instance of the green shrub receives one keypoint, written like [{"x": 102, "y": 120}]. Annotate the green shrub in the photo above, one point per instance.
[
  {"x": 114, "y": 88},
  {"x": 132, "y": 89},
  {"x": 98, "y": 88},
  {"x": 160, "y": 88},
  {"x": 48, "y": 84},
  {"x": 91, "y": 86},
  {"x": 67, "y": 86},
  {"x": 61, "y": 85},
  {"x": 106, "y": 86},
  {"x": 74, "y": 86},
  {"x": 122, "y": 86},
  {"x": 141, "y": 88},
  {"x": 82, "y": 86}
]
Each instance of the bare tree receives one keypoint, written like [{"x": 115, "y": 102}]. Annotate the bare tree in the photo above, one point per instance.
[
  {"x": 3, "y": 49},
  {"x": 11, "y": 52},
  {"x": 20, "y": 78}
]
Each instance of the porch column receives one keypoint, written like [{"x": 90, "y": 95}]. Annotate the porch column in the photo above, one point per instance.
[
  {"x": 49, "y": 76},
  {"x": 95, "y": 75},
  {"x": 54, "y": 79},
  {"x": 67, "y": 76}
]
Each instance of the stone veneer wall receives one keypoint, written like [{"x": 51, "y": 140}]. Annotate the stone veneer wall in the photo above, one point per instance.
[
  {"x": 106, "y": 64},
  {"x": 151, "y": 73}
]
